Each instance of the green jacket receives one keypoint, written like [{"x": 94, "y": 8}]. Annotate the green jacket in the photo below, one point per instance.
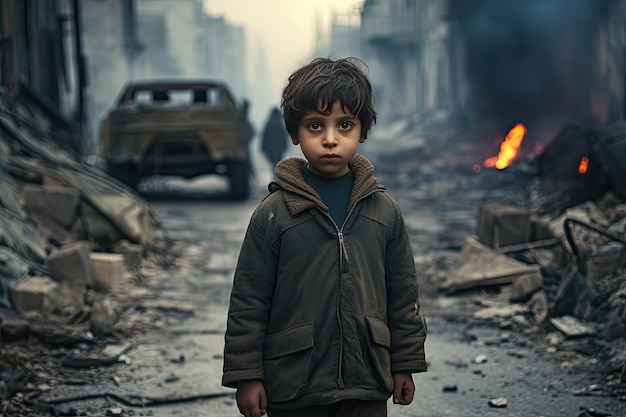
[{"x": 322, "y": 314}]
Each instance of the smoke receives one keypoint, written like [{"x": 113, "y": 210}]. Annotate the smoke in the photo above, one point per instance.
[{"x": 527, "y": 61}]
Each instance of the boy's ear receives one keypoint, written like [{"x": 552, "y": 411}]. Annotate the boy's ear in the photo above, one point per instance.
[
  {"x": 362, "y": 139},
  {"x": 294, "y": 140}
]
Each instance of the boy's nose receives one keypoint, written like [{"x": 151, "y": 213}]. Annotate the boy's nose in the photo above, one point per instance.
[{"x": 330, "y": 138}]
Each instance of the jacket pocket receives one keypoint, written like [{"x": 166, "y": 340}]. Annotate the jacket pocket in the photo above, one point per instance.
[
  {"x": 287, "y": 362},
  {"x": 379, "y": 351}
]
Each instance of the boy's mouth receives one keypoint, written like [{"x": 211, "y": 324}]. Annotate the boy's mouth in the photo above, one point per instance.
[{"x": 331, "y": 156}]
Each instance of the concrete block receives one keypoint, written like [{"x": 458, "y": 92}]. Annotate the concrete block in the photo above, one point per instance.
[
  {"x": 109, "y": 270},
  {"x": 57, "y": 203},
  {"x": 34, "y": 294},
  {"x": 501, "y": 225},
  {"x": 71, "y": 264}
]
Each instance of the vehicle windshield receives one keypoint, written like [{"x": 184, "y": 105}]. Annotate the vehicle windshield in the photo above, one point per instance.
[{"x": 212, "y": 96}]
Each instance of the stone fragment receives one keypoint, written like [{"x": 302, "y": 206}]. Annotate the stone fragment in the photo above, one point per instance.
[
  {"x": 34, "y": 294},
  {"x": 480, "y": 359},
  {"x": 116, "y": 411},
  {"x": 57, "y": 203},
  {"x": 109, "y": 270},
  {"x": 498, "y": 402}
]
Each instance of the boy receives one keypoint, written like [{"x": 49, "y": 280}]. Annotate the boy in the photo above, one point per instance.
[{"x": 324, "y": 312}]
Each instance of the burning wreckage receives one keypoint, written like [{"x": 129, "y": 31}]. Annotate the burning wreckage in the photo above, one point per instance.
[{"x": 559, "y": 255}]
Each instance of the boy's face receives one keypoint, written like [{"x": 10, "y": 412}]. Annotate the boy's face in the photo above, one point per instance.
[{"x": 329, "y": 141}]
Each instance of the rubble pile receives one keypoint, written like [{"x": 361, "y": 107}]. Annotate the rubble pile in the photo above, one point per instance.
[
  {"x": 558, "y": 260},
  {"x": 69, "y": 237},
  {"x": 546, "y": 255}
]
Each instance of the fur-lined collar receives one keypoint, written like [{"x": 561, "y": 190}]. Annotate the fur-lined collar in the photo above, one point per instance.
[{"x": 300, "y": 196}]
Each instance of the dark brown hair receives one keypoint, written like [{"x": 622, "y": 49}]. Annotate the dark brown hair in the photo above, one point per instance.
[{"x": 319, "y": 84}]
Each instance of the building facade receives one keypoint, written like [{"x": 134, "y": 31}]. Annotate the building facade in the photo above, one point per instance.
[
  {"x": 409, "y": 41},
  {"x": 41, "y": 63}
]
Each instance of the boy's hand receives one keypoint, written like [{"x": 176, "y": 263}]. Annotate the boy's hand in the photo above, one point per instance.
[
  {"x": 403, "y": 388},
  {"x": 251, "y": 399}
]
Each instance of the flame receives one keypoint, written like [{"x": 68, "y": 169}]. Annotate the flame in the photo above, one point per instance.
[
  {"x": 584, "y": 164},
  {"x": 508, "y": 149}
]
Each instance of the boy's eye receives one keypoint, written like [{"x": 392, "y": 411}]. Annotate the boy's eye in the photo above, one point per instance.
[
  {"x": 345, "y": 125},
  {"x": 315, "y": 127}
]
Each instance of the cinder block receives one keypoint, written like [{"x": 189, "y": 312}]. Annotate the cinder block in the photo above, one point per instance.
[
  {"x": 57, "y": 203},
  {"x": 501, "y": 225},
  {"x": 109, "y": 270},
  {"x": 34, "y": 294}
]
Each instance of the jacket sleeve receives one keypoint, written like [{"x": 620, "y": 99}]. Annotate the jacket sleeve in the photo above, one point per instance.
[
  {"x": 250, "y": 302},
  {"x": 408, "y": 332}
]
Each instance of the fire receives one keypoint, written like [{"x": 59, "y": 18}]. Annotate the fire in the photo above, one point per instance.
[
  {"x": 584, "y": 164},
  {"x": 508, "y": 149}
]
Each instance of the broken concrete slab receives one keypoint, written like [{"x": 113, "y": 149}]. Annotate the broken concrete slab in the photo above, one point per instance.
[
  {"x": 98, "y": 227},
  {"x": 57, "y": 203},
  {"x": 71, "y": 263},
  {"x": 482, "y": 266},
  {"x": 570, "y": 326},
  {"x": 35, "y": 294}
]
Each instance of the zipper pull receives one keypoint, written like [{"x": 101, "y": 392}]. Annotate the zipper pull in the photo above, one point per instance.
[
  {"x": 340, "y": 383},
  {"x": 345, "y": 266}
]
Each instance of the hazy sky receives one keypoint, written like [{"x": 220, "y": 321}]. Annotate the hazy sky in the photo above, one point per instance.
[{"x": 285, "y": 29}]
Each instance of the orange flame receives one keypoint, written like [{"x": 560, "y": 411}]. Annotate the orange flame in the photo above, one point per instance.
[
  {"x": 584, "y": 164},
  {"x": 508, "y": 149}
]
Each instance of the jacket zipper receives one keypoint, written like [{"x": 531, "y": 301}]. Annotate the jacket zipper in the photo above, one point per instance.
[{"x": 343, "y": 267}]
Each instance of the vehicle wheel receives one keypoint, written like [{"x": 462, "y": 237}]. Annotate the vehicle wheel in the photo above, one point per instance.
[
  {"x": 126, "y": 173},
  {"x": 239, "y": 181}
]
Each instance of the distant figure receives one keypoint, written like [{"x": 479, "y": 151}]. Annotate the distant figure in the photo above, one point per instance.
[{"x": 274, "y": 138}]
